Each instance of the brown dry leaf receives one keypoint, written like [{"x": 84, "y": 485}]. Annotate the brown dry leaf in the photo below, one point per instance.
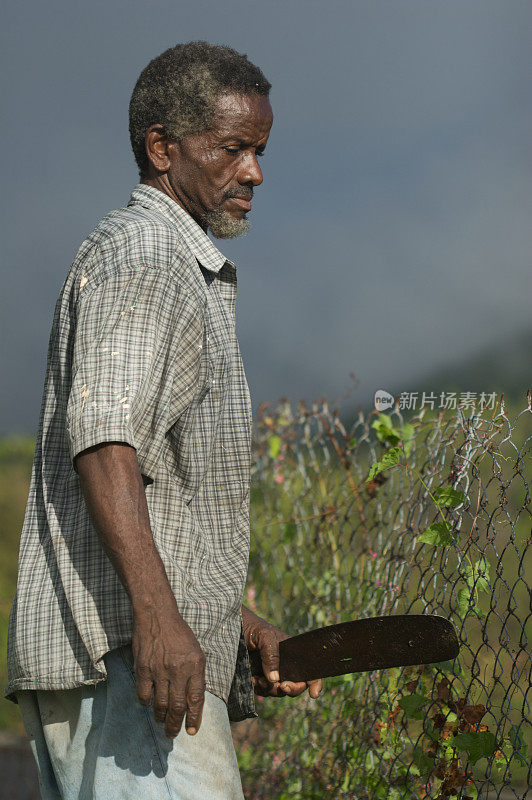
[
  {"x": 454, "y": 779},
  {"x": 440, "y": 770},
  {"x": 459, "y": 705},
  {"x": 371, "y": 489},
  {"x": 444, "y": 690},
  {"x": 392, "y": 716},
  {"x": 473, "y": 714},
  {"x": 465, "y": 727},
  {"x": 447, "y": 733},
  {"x": 438, "y": 720},
  {"x": 376, "y": 731}
]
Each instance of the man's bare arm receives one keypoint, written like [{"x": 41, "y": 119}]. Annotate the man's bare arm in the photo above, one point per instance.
[{"x": 168, "y": 658}]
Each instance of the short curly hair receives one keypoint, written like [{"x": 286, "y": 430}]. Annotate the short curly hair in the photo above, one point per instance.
[{"x": 178, "y": 89}]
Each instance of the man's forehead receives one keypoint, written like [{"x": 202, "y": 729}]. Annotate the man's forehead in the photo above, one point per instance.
[{"x": 241, "y": 113}]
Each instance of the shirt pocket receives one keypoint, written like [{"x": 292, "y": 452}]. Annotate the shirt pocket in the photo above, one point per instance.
[{"x": 190, "y": 438}]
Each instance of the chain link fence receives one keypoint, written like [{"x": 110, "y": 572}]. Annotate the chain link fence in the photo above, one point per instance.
[{"x": 443, "y": 527}]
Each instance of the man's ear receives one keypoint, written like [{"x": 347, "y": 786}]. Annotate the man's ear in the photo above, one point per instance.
[{"x": 156, "y": 142}]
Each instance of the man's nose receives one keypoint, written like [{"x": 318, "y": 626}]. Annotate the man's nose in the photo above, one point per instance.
[{"x": 250, "y": 171}]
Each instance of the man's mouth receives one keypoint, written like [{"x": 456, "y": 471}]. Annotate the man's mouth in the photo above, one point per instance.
[{"x": 239, "y": 202}]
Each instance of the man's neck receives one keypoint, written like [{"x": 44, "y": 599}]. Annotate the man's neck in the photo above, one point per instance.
[{"x": 162, "y": 183}]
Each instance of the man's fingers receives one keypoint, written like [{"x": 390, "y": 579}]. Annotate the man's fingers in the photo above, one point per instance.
[
  {"x": 144, "y": 685},
  {"x": 261, "y": 682},
  {"x": 177, "y": 708},
  {"x": 293, "y": 689},
  {"x": 195, "y": 701},
  {"x": 315, "y": 688},
  {"x": 160, "y": 700},
  {"x": 172, "y": 665},
  {"x": 269, "y": 654}
]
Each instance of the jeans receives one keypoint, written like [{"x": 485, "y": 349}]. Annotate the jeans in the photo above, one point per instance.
[{"x": 98, "y": 743}]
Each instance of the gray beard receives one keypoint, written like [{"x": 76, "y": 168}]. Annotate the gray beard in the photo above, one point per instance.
[{"x": 223, "y": 226}]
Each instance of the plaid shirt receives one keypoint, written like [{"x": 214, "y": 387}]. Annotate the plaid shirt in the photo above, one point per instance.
[{"x": 142, "y": 350}]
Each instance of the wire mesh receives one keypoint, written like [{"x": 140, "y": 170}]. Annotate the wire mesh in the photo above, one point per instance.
[{"x": 447, "y": 531}]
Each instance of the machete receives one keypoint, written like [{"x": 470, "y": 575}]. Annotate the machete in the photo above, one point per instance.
[{"x": 362, "y": 645}]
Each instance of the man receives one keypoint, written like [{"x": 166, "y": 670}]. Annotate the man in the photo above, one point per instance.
[{"x": 135, "y": 541}]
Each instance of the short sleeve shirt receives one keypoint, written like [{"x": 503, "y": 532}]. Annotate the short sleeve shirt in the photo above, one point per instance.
[{"x": 143, "y": 350}]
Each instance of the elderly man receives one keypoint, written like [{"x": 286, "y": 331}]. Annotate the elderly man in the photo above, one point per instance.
[{"x": 135, "y": 542}]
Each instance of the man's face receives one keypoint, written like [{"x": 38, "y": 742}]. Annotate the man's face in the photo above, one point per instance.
[{"x": 212, "y": 174}]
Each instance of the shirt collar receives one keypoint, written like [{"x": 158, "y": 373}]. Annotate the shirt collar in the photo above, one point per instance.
[{"x": 205, "y": 251}]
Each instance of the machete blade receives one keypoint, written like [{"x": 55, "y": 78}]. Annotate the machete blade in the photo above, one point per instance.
[{"x": 364, "y": 644}]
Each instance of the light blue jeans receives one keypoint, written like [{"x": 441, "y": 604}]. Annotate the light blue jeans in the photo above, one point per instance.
[{"x": 98, "y": 743}]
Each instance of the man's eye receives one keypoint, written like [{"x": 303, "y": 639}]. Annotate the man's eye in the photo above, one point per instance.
[{"x": 232, "y": 149}]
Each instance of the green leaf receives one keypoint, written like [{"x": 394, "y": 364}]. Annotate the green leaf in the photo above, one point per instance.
[
  {"x": 477, "y": 578},
  {"x": 433, "y": 733},
  {"x": 385, "y": 430},
  {"x": 446, "y": 496},
  {"x": 438, "y": 534},
  {"x": 412, "y": 705},
  {"x": 274, "y": 443},
  {"x": 382, "y": 421},
  {"x": 477, "y": 745},
  {"x": 423, "y": 761},
  {"x": 466, "y": 601},
  {"x": 519, "y": 746},
  {"x": 478, "y": 575},
  {"x": 389, "y": 459}
]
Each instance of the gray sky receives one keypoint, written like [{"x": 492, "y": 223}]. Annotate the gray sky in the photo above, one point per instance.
[{"x": 392, "y": 232}]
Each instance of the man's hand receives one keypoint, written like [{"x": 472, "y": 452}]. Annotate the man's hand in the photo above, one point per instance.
[
  {"x": 170, "y": 669},
  {"x": 261, "y": 635},
  {"x": 168, "y": 661}
]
